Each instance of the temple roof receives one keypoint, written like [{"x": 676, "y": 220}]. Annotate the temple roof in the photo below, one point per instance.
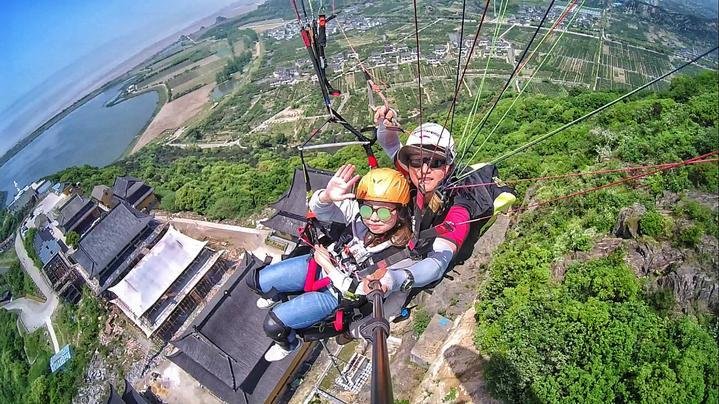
[
  {"x": 291, "y": 208},
  {"x": 224, "y": 346}
]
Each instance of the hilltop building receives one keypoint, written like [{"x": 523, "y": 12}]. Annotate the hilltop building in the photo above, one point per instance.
[
  {"x": 63, "y": 278},
  {"x": 226, "y": 356},
  {"x": 135, "y": 192},
  {"x": 77, "y": 214},
  {"x": 111, "y": 246},
  {"x": 46, "y": 246},
  {"x": 129, "y": 189},
  {"x": 28, "y": 195},
  {"x": 291, "y": 208},
  {"x": 168, "y": 283}
]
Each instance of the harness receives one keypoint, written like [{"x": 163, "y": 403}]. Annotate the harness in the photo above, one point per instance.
[{"x": 357, "y": 262}]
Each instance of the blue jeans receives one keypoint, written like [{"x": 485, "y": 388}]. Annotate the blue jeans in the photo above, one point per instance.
[{"x": 304, "y": 310}]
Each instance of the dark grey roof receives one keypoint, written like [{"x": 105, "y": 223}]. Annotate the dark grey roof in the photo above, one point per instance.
[
  {"x": 73, "y": 210},
  {"x": 130, "y": 189},
  {"x": 99, "y": 190},
  {"x": 224, "y": 346},
  {"x": 109, "y": 237},
  {"x": 45, "y": 245},
  {"x": 114, "y": 398},
  {"x": 131, "y": 396},
  {"x": 291, "y": 207}
]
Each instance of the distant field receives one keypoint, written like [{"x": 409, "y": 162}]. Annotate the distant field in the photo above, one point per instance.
[{"x": 580, "y": 59}]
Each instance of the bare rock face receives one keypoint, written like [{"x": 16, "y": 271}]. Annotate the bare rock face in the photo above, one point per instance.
[
  {"x": 457, "y": 293},
  {"x": 601, "y": 249},
  {"x": 457, "y": 375},
  {"x": 693, "y": 289},
  {"x": 425, "y": 350},
  {"x": 652, "y": 258},
  {"x": 695, "y": 285},
  {"x": 711, "y": 201},
  {"x": 627, "y": 225},
  {"x": 668, "y": 200}
]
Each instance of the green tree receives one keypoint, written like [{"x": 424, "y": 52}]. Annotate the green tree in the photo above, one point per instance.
[{"x": 72, "y": 238}]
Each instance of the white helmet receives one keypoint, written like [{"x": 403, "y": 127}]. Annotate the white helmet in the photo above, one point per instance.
[{"x": 428, "y": 137}]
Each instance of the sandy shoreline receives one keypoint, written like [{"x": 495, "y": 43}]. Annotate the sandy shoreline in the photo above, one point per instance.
[
  {"x": 174, "y": 114},
  {"x": 121, "y": 70}
]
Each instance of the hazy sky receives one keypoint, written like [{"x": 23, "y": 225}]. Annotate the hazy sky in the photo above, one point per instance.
[{"x": 40, "y": 37}]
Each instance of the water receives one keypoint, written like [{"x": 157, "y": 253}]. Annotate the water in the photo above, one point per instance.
[{"x": 92, "y": 134}]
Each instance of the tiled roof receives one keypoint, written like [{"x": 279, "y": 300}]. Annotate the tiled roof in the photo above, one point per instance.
[
  {"x": 109, "y": 237},
  {"x": 224, "y": 346}
]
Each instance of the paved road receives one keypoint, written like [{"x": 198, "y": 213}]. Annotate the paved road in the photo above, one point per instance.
[
  {"x": 30, "y": 268},
  {"x": 34, "y": 314}
]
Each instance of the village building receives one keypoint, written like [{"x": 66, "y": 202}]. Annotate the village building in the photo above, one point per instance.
[
  {"x": 170, "y": 280},
  {"x": 28, "y": 195},
  {"x": 103, "y": 195},
  {"x": 46, "y": 246},
  {"x": 226, "y": 355},
  {"x": 135, "y": 192}
]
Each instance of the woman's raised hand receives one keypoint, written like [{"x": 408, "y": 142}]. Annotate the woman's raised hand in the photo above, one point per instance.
[
  {"x": 323, "y": 259},
  {"x": 386, "y": 116},
  {"x": 340, "y": 185}
]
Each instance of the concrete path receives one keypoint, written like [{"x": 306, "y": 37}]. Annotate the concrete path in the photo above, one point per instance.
[
  {"x": 29, "y": 266},
  {"x": 239, "y": 237},
  {"x": 34, "y": 314},
  {"x": 53, "y": 337}
]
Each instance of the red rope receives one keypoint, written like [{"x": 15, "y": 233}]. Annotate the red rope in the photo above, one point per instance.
[{"x": 696, "y": 160}]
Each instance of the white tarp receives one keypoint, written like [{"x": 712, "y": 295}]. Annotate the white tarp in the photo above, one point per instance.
[{"x": 154, "y": 274}]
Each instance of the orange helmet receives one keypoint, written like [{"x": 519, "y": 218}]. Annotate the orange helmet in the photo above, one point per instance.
[{"x": 384, "y": 185}]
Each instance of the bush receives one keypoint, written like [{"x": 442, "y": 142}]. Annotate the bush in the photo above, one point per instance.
[
  {"x": 72, "y": 238},
  {"x": 690, "y": 236},
  {"x": 594, "y": 340},
  {"x": 652, "y": 224},
  {"x": 420, "y": 321}
]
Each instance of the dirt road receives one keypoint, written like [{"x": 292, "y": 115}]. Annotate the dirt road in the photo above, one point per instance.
[{"x": 174, "y": 114}]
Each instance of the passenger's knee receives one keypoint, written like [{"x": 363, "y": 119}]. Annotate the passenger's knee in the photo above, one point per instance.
[
  {"x": 253, "y": 280},
  {"x": 275, "y": 328}
]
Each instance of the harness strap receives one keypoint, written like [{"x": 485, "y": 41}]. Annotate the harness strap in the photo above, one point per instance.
[
  {"x": 312, "y": 284},
  {"x": 383, "y": 262}
]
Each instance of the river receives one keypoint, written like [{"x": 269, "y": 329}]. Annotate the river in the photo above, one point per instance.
[{"x": 91, "y": 134}]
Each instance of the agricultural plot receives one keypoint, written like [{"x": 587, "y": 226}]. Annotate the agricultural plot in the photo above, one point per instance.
[
  {"x": 571, "y": 61},
  {"x": 623, "y": 66}
]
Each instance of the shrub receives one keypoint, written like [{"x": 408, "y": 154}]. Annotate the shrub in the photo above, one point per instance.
[
  {"x": 72, "y": 238},
  {"x": 594, "y": 340},
  {"x": 690, "y": 236},
  {"x": 420, "y": 321},
  {"x": 652, "y": 224}
]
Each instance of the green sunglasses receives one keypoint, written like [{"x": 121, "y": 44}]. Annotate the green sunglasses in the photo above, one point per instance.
[{"x": 383, "y": 214}]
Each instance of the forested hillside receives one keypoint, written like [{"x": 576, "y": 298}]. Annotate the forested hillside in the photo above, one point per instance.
[{"x": 560, "y": 318}]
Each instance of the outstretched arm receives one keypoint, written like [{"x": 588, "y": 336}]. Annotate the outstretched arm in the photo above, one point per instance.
[
  {"x": 387, "y": 130},
  {"x": 444, "y": 247},
  {"x": 336, "y": 202}
]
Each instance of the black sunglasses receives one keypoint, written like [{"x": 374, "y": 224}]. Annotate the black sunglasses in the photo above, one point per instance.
[{"x": 432, "y": 162}]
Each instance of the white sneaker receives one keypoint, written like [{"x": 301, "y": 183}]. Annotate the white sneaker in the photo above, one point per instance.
[
  {"x": 277, "y": 353},
  {"x": 263, "y": 303}
]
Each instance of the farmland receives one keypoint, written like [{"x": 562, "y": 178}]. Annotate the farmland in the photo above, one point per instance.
[{"x": 277, "y": 97}]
